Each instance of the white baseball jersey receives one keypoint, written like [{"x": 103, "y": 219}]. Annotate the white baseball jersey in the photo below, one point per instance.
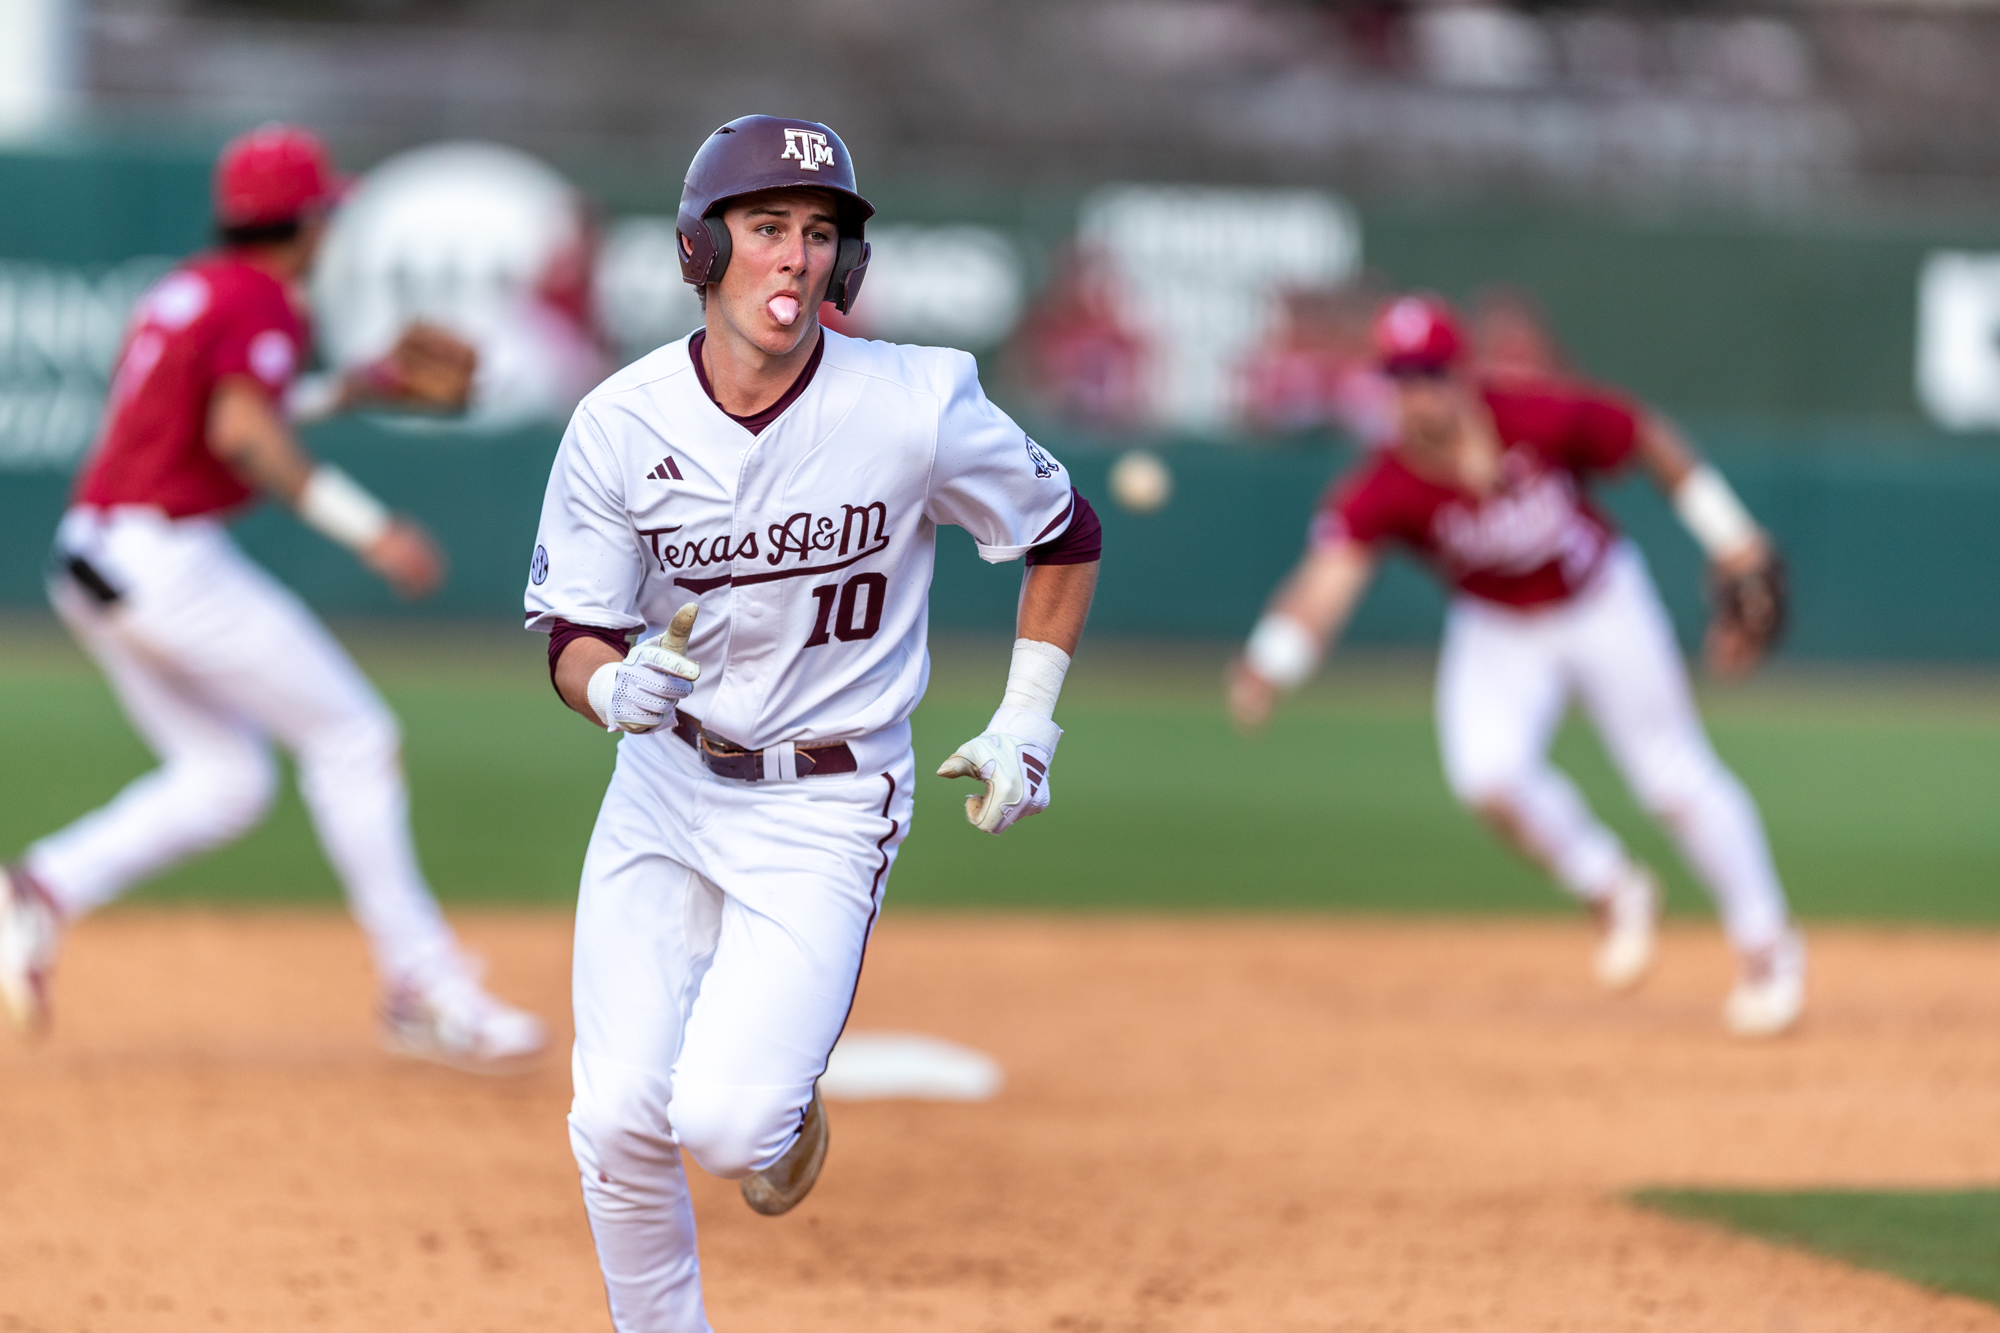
[{"x": 809, "y": 546}]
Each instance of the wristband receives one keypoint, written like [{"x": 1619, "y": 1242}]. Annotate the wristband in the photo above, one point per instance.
[
  {"x": 1035, "y": 677},
  {"x": 598, "y": 693},
  {"x": 335, "y": 503},
  {"x": 1281, "y": 650},
  {"x": 1025, "y": 724},
  {"x": 1713, "y": 514}
]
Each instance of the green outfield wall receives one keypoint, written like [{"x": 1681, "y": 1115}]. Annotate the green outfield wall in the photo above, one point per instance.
[
  {"x": 1893, "y": 539},
  {"x": 1788, "y": 345},
  {"x": 1771, "y": 315}
]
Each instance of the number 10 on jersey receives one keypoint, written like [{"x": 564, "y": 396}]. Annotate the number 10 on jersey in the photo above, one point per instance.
[{"x": 849, "y": 611}]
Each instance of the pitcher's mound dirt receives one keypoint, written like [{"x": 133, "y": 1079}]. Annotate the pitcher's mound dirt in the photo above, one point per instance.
[{"x": 1215, "y": 1125}]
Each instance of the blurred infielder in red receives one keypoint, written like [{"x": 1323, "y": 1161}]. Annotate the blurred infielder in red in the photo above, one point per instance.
[
  {"x": 1488, "y": 483},
  {"x": 787, "y": 484},
  {"x": 210, "y": 657}
]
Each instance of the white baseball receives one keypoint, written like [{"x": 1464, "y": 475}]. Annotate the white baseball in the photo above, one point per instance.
[{"x": 1141, "y": 482}]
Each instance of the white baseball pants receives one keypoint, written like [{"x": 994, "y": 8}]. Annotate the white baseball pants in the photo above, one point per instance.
[
  {"x": 1505, "y": 679},
  {"x": 719, "y": 937},
  {"x": 209, "y": 655}
]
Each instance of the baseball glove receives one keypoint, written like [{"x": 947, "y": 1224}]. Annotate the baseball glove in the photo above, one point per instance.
[
  {"x": 1750, "y": 608},
  {"x": 428, "y": 368}
]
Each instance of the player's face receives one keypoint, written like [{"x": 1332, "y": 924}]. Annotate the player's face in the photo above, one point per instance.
[
  {"x": 1432, "y": 408},
  {"x": 312, "y": 232},
  {"x": 782, "y": 248}
]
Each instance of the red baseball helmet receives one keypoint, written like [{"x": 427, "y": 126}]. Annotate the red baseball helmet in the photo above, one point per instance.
[
  {"x": 275, "y": 173},
  {"x": 1418, "y": 335}
]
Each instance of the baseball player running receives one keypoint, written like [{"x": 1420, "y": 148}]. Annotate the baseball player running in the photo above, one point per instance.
[
  {"x": 209, "y": 656},
  {"x": 1488, "y": 484},
  {"x": 759, "y": 502}
]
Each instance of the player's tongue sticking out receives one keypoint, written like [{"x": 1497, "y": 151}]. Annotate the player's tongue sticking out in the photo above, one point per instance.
[{"x": 783, "y": 308}]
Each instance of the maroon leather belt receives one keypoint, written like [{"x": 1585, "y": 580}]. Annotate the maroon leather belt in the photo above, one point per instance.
[{"x": 727, "y": 760}]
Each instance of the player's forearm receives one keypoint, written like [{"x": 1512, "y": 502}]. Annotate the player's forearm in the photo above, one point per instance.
[
  {"x": 1701, "y": 496},
  {"x": 1665, "y": 453},
  {"x": 1308, "y": 612},
  {"x": 1323, "y": 591},
  {"x": 1055, "y": 603},
  {"x": 578, "y": 663}
]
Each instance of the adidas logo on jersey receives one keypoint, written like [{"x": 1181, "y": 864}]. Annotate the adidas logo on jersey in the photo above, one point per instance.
[{"x": 666, "y": 470}]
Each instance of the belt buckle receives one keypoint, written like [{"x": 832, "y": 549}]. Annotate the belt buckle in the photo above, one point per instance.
[
  {"x": 721, "y": 749},
  {"x": 715, "y": 751}
]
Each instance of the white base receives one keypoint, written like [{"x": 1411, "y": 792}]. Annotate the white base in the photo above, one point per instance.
[{"x": 877, "y": 1065}]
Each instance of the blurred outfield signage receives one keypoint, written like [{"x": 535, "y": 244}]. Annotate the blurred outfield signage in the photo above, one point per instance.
[
  {"x": 1811, "y": 356},
  {"x": 1753, "y": 317},
  {"x": 1200, "y": 273},
  {"x": 60, "y": 327},
  {"x": 481, "y": 238},
  {"x": 1958, "y": 340}
]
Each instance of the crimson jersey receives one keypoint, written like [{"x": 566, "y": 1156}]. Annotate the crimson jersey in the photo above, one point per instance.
[
  {"x": 1534, "y": 542},
  {"x": 214, "y": 316}
]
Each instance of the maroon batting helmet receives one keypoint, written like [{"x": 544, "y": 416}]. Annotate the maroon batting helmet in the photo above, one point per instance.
[
  {"x": 1418, "y": 335},
  {"x": 753, "y": 153}
]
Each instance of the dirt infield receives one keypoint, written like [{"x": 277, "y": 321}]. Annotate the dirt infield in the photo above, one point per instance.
[{"x": 1212, "y": 1125}]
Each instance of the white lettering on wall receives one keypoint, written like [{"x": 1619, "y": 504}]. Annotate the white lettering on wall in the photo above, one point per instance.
[
  {"x": 60, "y": 329},
  {"x": 1958, "y": 339}
]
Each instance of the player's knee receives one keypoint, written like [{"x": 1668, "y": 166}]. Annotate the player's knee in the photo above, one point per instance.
[
  {"x": 228, "y": 792},
  {"x": 1486, "y": 789},
  {"x": 732, "y": 1131},
  {"x": 1670, "y": 781},
  {"x": 373, "y": 734},
  {"x": 357, "y": 747},
  {"x": 618, "y": 1125}
]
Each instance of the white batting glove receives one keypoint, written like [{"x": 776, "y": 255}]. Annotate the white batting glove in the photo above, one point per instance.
[
  {"x": 639, "y": 693},
  {"x": 1012, "y": 758}
]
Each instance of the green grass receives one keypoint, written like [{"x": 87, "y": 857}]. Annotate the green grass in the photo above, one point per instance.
[
  {"x": 1878, "y": 789},
  {"x": 1948, "y": 1240}
]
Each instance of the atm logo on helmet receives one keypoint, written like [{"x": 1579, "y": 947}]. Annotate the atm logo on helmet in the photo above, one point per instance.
[{"x": 808, "y": 148}]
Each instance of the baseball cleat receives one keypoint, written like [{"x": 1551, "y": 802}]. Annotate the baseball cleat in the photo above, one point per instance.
[
  {"x": 1770, "y": 990},
  {"x": 778, "y": 1188},
  {"x": 1629, "y": 922},
  {"x": 456, "y": 1023},
  {"x": 29, "y": 928}
]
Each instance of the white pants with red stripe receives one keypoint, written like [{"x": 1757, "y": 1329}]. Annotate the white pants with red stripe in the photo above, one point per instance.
[
  {"x": 211, "y": 658},
  {"x": 719, "y": 937},
  {"x": 1505, "y": 679}
]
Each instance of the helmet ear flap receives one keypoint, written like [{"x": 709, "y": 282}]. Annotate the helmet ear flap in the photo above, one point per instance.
[
  {"x": 718, "y": 237},
  {"x": 850, "y": 265}
]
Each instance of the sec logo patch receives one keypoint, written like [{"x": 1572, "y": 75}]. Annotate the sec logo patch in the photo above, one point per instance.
[
  {"x": 538, "y": 567},
  {"x": 1044, "y": 465}
]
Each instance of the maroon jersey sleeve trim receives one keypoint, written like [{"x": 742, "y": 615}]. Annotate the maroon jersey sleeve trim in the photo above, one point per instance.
[
  {"x": 1079, "y": 543},
  {"x": 566, "y": 632}
]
